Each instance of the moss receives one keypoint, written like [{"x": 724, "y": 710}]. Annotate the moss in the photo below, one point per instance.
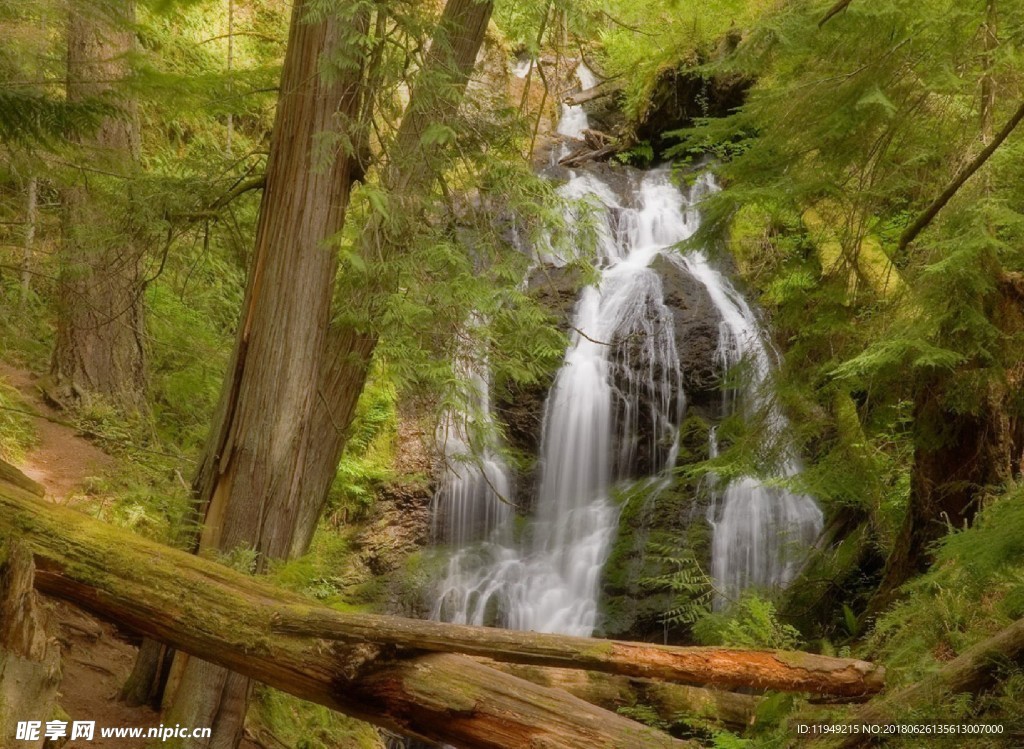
[
  {"x": 17, "y": 433},
  {"x": 303, "y": 725}
]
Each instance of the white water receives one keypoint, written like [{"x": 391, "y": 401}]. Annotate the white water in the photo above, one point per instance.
[
  {"x": 621, "y": 369},
  {"x": 549, "y": 582},
  {"x": 760, "y": 532}
]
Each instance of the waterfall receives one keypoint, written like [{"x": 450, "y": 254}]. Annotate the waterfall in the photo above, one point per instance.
[
  {"x": 760, "y": 532},
  {"x": 618, "y": 395},
  {"x": 621, "y": 370},
  {"x": 472, "y": 510}
]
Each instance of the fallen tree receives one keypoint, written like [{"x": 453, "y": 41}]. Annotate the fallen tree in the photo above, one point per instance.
[
  {"x": 670, "y": 702},
  {"x": 789, "y": 671},
  {"x": 972, "y": 671},
  {"x": 369, "y": 666}
]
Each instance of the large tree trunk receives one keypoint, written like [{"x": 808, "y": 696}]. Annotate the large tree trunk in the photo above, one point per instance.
[
  {"x": 293, "y": 386},
  {"x": 99, "y": 348},
  {"x": 722, "y": 667},
  {"x": 237, "y": 621},
  {"x": 957, "y": 455},
  {"x": 270, "y": 460},
  {"x": 410, "y": 175}
]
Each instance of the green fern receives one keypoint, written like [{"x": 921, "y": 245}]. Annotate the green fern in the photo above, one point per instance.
[{"x": 684, "y": 579}]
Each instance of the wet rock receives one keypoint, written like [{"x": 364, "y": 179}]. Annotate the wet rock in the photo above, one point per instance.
[
  {"x": 630, "y": 607},
  {"x": 696, "y": 324},
  {"x": 400, "y": 520}
]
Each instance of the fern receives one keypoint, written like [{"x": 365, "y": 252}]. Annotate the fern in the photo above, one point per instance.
[{"x": 684, "y": 579}]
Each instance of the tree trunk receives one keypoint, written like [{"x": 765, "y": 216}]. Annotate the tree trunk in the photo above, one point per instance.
[
  {"x": 671, "y": 702},
  {"x": 29, "y": 654},
  {"x": 720, "y": 667},
  {"x": 957, "y": 455},
  {"x": 270, "y": 459},
  {"x": 28, "y": 245},
  {"x": 100, "y": 328},
  {"x": 295, "y": 380}
]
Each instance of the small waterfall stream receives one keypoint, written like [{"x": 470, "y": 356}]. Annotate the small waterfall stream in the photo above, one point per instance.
[
  {"x": 760, "y": 532},
  {"x": 621, "y": 370}
]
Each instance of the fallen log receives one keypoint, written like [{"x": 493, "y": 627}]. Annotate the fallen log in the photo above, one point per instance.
[
  {"x": 971, "y": 671},
  {"x": 605, "y": 88},
  {"x": 249, "y": 626},
  {"x": 671, "y": 702},
  {"x": 224, "y": 617},
  {"x": 789, "y": 671},
  {"x": 579, "y": 158}
]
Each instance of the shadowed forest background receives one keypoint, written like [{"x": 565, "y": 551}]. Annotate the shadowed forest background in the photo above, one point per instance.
[{"x": 676, "y": 323}]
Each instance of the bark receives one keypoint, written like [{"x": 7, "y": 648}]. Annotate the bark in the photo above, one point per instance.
[
  {"x": 492, "y": 710},
  {"x": 579, "y": 158},
  {"x": 270, "y": 460},
  {"x": 28, "y": 246},
  {"x": 972, "y": 671},
  {"x": 225, "y": 617},
  {"x": 99, "y": 348},
  {"x": 671, "y": 702},
  {"x": 144, "y": 683},
  {"x": 720, "y": 667},
  {"x": 605, "y": 88},
  {"x": 956, "y": 456},
  {"x": 295, "y": 380},
  {"x": 29, "y": 654}
]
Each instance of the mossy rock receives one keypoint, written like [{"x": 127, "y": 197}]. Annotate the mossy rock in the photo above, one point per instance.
[{"x": 652, "y": 516}]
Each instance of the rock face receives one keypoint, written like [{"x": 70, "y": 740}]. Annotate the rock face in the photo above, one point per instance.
[
  {"x": 399, "y": 526},
  {"x": 673, "y": 517},
  {"x": 696, "y": 325},
  {"x": 520, "y": 409}
]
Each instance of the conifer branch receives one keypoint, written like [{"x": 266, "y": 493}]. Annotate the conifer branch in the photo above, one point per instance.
[{"x": 922, "y": 221}]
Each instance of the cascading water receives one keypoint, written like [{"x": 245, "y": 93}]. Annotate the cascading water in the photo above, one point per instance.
[
  {"x": 621, "y": 368},
  {"x": 472, "y": 511},
  {"x": 621, "y": 371},
  {"x": 760, "y": 532}
]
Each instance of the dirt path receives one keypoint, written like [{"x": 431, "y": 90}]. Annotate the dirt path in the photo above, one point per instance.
[
  {"x": 62, "y": 459},
  {"x": 96, "y": 657}
]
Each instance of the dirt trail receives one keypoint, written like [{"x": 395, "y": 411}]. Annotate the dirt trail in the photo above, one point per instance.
[
  {"x": 62, "y": 459},
  {"x": 96, "y": 657}
]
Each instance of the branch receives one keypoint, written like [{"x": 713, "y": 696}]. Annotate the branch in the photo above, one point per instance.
[
  {"x": 911, "y": 232},
  {"x": 971, "y": 671},
  {"x": 212, "y": 210},
  {"x": 835, "y": 10}
]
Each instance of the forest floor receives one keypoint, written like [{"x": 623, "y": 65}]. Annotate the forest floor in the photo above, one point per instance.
[{"x": 96, "y": 657}]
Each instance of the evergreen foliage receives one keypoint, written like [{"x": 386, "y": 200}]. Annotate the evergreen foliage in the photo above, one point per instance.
[{"x": 849, "y": 131}]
